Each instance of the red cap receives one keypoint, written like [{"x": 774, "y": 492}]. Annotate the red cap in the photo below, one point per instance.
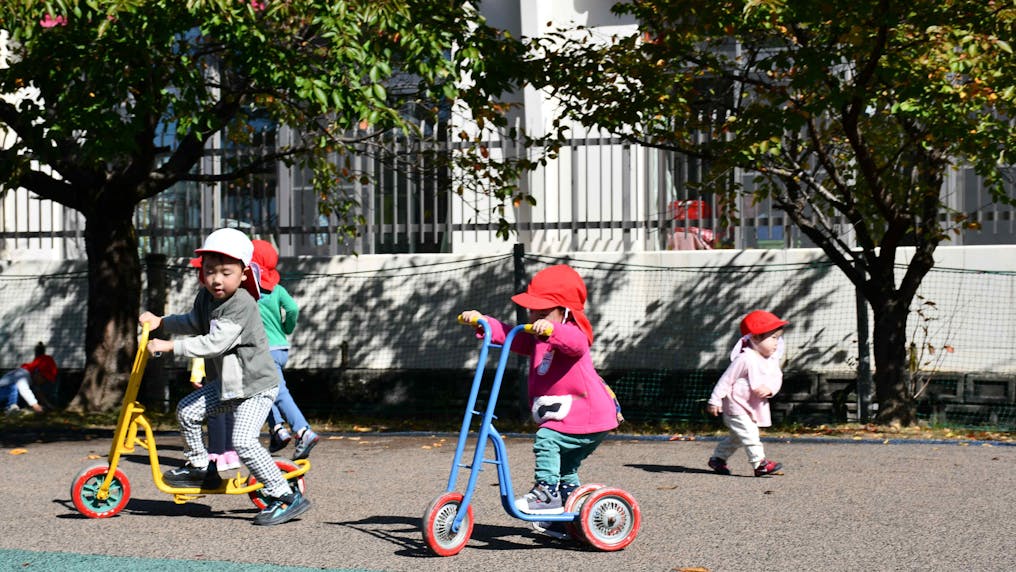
[
  {"x": 558, "y": 286},
  {"x": 267, "y": 258},
  {"x": 761, "y": 322}
]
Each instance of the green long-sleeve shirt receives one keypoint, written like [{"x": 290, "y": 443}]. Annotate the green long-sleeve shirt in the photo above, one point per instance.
[{"x": 278, "y": 312}]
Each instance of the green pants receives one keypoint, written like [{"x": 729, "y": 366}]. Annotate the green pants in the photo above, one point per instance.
[{"x": 559, "y": 455}]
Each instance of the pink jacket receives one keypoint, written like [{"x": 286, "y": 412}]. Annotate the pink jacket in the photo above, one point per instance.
[
  {"x": 748, "y": 370},
  {"x": 565, "y": 392}
]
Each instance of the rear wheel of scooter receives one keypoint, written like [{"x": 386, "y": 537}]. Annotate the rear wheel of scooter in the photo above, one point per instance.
[
  {"x": 574, "y": 504},
  {"x": 437, "y": 525},
  {"x": 610, "y": 519},
  {"x": 260, "y": 499},
  {"x": 85, "y": 488}
]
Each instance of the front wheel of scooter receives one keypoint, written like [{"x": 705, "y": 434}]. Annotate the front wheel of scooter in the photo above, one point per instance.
[
  {"x": 85, "y": 488},
  {"x": 610, "y": 519},
  {"x": 260, "y": 499},
  {"x": 437, "y": 525}
]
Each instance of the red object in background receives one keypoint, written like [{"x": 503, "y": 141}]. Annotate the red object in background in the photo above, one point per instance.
[
  {"x": 690, "y": 210},
  {"x": 691, "y": 238}
]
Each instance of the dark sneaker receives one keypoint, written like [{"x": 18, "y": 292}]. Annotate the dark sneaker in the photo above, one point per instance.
[
  {"x": 189, "y": 476},
  {"x": 282, "y": 509},
  {"x": 278, "y": 440},
  {"x": 719, "y": 466},
  {"x": 542, "y": 499},
  {"x": 767, "y": 467},
  {"x": 304, "y": 443},
  {"x": 552, "y": 529}
]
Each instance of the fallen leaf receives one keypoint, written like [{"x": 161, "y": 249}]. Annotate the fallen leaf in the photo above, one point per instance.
[
  {"x": 18, "y": 451},
  {"x": 360, "y": 429},
  {"x": 336, "y": 437},
  {"x": 768, "y": 492},
  {"x": 93, "y": 456},
  {"x": 426, "y": 447},
  {"x": 691, "y": 569},
  {"x": 670, "y": 488}
]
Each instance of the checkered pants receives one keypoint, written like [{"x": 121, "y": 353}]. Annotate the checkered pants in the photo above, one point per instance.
[{"x": 249, "y": 416}]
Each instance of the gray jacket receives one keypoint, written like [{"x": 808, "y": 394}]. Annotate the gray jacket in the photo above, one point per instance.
[{"x": 231, "y": 338}]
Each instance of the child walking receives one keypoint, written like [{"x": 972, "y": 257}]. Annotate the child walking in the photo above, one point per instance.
[
  {"x": 743, "y": 391},
  {"x": 279, "y": 313},
  {"x": 226, "y": 330},
  {"x": 569, "y": 401}
]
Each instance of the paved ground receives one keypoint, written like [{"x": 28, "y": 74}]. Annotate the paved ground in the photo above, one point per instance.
[{"x": 840, "y": 506}]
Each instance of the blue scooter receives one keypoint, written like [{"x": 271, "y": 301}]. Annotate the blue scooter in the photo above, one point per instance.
[{"x": 606, "y": 518}]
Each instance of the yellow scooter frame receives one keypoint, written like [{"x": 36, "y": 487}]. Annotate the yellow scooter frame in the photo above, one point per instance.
[{"x": 102, "y": 490}]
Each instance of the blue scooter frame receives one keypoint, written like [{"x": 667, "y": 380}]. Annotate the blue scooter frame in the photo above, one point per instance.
[{"x": 614, "y": 516}]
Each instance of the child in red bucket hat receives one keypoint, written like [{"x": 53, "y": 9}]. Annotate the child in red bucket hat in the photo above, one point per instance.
[
  {"x": 570, "y": 401},
  {"x": 743, "y": 391}
]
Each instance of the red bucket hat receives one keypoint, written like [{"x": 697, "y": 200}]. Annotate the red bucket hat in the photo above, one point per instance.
[
  {"x": 558, "y": 286},
  {"x": 761, "y": 322},
  {"x": 267, "y": 258}
]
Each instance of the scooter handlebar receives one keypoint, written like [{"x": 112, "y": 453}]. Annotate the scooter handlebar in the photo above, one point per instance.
[
  {"x": 529, "y": 329},
  {"x": 473, "y": 322}
]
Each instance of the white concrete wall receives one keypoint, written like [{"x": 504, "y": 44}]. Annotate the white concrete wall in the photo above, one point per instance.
[{"x": 674, "y": 310}]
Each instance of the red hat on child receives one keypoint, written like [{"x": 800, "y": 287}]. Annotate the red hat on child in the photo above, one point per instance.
[
  {"x": 558, "y": 286},
  {"x": 761, "y": 322},
  {"x": 267, "y": 258}
]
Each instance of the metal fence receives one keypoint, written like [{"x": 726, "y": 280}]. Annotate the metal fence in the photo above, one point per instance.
[{"x": 599, "y": 194}]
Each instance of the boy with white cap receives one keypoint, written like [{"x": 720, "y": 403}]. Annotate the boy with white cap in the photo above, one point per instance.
[
  {"x": 743, "y": 391},
  {"x": 226, "y": 330}
]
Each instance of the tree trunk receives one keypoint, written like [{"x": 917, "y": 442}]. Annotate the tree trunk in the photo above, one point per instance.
[
  {"x": 114, "y": 287},
  {"x": 892, "y": 377}
]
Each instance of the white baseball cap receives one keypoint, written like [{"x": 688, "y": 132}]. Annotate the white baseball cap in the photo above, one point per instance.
[{"x": 230, "y": 242}]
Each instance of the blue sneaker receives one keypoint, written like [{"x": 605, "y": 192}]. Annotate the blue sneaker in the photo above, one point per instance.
[
  {"x": 282, "y": 509},
  {"x": 304, "y": 443}
]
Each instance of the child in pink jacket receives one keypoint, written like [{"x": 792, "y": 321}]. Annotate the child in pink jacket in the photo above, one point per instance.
[
  {"x": 569, "y": 401},
  {"x": 743, "y": 391}
]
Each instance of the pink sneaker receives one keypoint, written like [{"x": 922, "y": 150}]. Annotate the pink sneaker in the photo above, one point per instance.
[
  {"x": 228, "y": 461},
  {"x": 767, "y": 467}
]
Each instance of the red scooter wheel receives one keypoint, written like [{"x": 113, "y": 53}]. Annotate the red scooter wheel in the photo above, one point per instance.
[
  {"x": 85, "y": 488},
  {"x": 610, "y": 519},
  {"x": 574, "y": 504},
  {"x": 437, "y": 525}
]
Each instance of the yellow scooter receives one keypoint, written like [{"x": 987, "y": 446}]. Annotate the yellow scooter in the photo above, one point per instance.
[{"x": 102, "y": 490}]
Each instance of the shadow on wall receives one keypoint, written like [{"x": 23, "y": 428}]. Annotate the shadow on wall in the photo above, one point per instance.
[{"x": 49, "y": 307}]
